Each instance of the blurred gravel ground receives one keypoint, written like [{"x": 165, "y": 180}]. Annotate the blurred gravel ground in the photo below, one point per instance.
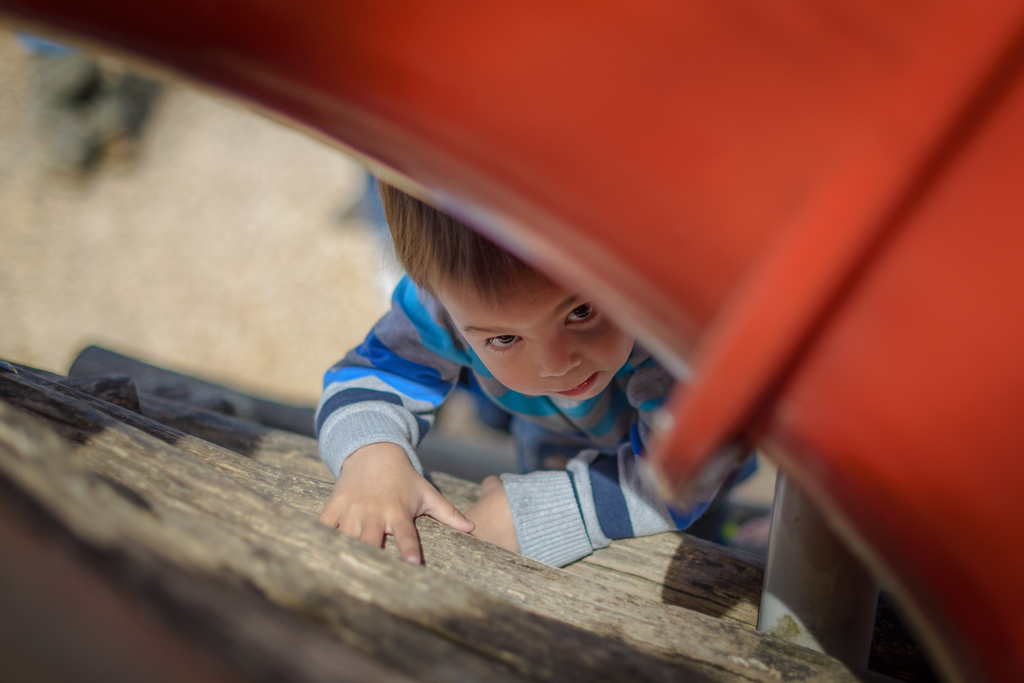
[{"x": 220, "y": 248}]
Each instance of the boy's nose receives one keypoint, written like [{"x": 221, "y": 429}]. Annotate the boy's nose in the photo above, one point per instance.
[{"x": 558, "y": 362}]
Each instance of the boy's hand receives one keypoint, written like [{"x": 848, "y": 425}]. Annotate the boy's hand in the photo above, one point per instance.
[
  {"x": 379, "y": 492},
  {"x": 493, "y": 516}
]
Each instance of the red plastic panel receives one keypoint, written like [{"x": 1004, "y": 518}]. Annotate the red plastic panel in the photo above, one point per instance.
[
  {"x": 706, "y": 127},
  {"x": 908, "y": 408},
  {"x": 796, "y": 197}
]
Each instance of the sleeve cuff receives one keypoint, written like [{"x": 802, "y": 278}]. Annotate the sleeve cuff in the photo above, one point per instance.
[
  {"x": 343, "y": 434},
  {"x": 549, "y": 527}
]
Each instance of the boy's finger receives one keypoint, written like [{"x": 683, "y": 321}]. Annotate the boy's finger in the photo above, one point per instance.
[
  {"x": 332, "y": 514},
  {"x": 407, "y": 540},
  {"x": 350, "y": 525},
  {"x": 328, "y": 517},
  {"x": 441, "y": 509},
  {"x": 372, "y": 534}
]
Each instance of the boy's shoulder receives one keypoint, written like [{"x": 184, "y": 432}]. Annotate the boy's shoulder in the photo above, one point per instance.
[
  {"x": 646, "y": 381},
  {"x": 419, "y": 319}
]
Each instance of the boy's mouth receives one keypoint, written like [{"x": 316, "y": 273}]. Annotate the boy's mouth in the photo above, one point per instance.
[{"x": 580, "y": 388}]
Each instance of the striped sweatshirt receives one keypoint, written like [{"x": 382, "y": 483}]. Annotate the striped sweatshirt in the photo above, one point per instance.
[{"x": 388, "y": 389}]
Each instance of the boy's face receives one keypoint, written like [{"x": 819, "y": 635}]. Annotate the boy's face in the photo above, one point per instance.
[{"x": 542, "y": 340}]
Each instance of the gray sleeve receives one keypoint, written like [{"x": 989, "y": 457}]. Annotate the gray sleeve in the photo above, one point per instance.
[
  {"x": 561, "y": 517},
  {"x": 549, "y": 527},
  {"x": 361, "y": 424},
  {"x": 388, "y": 388}
]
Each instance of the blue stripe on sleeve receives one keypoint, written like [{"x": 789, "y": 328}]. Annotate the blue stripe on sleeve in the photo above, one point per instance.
[
  {"x": 612, "y": 513},
  {"x": 685, "y": 518},
  {"x": 616, "y": 406},
  {"x": 747, "y": 469},
  {"x": 347, "y": 397},
  {"x": 535, "y": 406},
  {"x": 653, "y": 404},
  {"x": 432, "y": 394},
  {"x": 350, "y": 396},
  {"x": 375, "y": 351},
  {"x": 634, "y": 440},
  {"x": 583, "y": 408}
]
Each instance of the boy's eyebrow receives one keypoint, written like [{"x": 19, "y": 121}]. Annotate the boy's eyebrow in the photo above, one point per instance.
[
  {"x": 568, "y": 300},
  {"x": 485, "y": 330},
  {"x": 490, "y": 330}
]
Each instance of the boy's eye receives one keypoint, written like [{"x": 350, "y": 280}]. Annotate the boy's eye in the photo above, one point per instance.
[
  {"x": 581, "y": 313},
  {"x": 503, "y": 340}
]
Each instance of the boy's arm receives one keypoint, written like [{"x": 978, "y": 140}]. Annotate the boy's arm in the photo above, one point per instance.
[
  {"x": 561, "y": 517},
  {"x": 388, "y": 388},
  {"x": 380, "y": 401}
]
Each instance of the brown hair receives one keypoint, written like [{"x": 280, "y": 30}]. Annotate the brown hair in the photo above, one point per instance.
[{"x": 439, "y": 252}]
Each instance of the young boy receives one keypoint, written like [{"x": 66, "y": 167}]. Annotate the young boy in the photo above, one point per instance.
[{"x": 536, "y": 350}]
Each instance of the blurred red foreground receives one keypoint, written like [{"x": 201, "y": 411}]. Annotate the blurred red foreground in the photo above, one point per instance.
[{"x": 816, "y": 205}]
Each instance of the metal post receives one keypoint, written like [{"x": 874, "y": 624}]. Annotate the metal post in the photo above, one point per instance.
[{"x": 816, "y": 593}]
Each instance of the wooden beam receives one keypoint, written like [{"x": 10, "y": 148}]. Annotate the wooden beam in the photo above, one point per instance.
[
  {"x": 117, "y": 389},
  {"x": 672, "y": 568},
  {"x": 120, "y": 490},
  {"x": 632, "y": 635},
  {"x": 150, "y": 379},
  {"x": 71, "y": 611}
]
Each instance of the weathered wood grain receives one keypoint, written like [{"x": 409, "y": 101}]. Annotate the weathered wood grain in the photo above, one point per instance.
[
  {"x": 117, "y": 389},
  {"x": 71, "y": 612},
  {"x": 679, "y": 569},
  {"x": 277, "y": 447},
  {"x": 672, "y": 568},
  {"x": 191, "y": 404},
  {"x": 695, "y": 645},
  {"x": 417, "y": 621}
]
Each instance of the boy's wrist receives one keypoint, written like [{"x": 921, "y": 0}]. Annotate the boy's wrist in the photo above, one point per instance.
[
  {"x": 383, "y": 456},
  {"x": 380, "y": 449}
]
